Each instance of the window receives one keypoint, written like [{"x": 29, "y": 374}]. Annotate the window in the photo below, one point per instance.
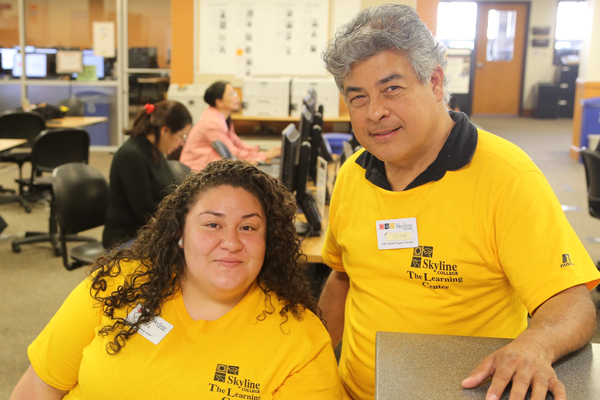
[
  {"x": 570, "y": 31},
  {"x": 456, "y": 24}
]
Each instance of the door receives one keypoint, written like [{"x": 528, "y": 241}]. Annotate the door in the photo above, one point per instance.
[{"x": 499, "y": 58}]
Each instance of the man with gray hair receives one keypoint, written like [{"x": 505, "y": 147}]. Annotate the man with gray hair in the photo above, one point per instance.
[{"x": 438, "y": 227}]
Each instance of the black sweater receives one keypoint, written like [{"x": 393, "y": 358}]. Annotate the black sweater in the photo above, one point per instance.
[{"x": 137, "y": 185}]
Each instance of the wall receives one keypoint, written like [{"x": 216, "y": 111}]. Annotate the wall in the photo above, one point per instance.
[{"x": 209, "y": 78}]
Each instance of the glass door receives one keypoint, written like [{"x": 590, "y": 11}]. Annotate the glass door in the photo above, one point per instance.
[{"x": 146, "y": 53}]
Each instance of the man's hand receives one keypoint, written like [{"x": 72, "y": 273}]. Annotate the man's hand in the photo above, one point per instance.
[
  {"x": 561, "y": 325},
  {"x": 526, "y": 364}
]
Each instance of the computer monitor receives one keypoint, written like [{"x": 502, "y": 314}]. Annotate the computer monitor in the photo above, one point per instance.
[
  {"x": 293, "y": 173},
  {"x": 36, "y": 65},
  {"x": 143, "y": 57},
  {"x": 69, "y": 61},
  {"x": 305, "y": 124},
  {"x": 90, "y": 59},
  {"x": 310, "y": 100},
  {"x": 8, "y": 58},
  {"x": 318, "y": 144}
]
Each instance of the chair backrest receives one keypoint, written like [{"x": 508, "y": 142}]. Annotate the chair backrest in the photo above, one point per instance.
[
  {"x": 80, "y": 197},
  {"x": 55, "y": 147},
  {"x": 179, "y": 170},
  {"x": 591, "y": 161},
  {"x": 21, "y": 125},
  {"x": 222, "y": 150}
]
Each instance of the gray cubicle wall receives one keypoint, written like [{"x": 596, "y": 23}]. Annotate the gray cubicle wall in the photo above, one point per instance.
[{"x": 54, "y": 91}]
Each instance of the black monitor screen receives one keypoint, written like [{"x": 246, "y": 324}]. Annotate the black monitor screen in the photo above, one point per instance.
[
  {"x": 306, "y": 121},
  {"x": 290, "y": 149}
]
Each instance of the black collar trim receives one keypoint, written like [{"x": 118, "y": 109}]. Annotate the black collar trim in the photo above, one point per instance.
[{"x": 456, "y": 153}]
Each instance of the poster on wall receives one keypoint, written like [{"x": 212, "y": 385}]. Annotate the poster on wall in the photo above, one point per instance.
[
  {"x": 458, "y": 70},
  {"x": 104, "y": 39},
  {"x": 260, "y": 37}
]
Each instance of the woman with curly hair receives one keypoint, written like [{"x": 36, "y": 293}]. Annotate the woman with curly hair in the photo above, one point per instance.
[{"x": 210, "y": 302}]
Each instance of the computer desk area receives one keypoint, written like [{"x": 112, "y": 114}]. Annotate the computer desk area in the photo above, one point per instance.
[
  {"x": 74, "y": 122},
  {"x": 312, "y": 245}
]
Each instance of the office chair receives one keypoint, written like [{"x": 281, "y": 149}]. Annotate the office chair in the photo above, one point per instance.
[
  {"x": 52, "y": 148},
  {"x": 179, "y": 170},
  {"x": 19, "y": 125},
  {"x": 76, "y": 107},
  {"x": 591, "y": 162},
  {"x": 81, "y": 202},
  {"x": 222, "y": 150}
]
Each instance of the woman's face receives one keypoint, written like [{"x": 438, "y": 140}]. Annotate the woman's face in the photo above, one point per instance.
[
  {"x": 230, "y": 100},
  {"x": 170, "y": 141},
  {"x": 224, "y": 243}
]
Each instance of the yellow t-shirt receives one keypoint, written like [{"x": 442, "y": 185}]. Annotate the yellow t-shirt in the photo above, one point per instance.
[
  {"x": 234, "y": 357},
  {"x": 493, "y": 245}
]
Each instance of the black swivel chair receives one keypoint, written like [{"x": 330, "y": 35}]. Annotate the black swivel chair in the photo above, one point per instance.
[
  {"x": 51, "y": 149},
  {"x": 19, "y": 125},
  {"x": 179, "y": 170},
  {"x": 591, "y": 162},
  {"x": 81, "y": 203}
]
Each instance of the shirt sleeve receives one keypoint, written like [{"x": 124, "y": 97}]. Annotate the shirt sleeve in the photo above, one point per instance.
[
  {"x": 537, "y": 247},
  {"x": 318, "y": 378},
  {"x": 56, "y": 353}
]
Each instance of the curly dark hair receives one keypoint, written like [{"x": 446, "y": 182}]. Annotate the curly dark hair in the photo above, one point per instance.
[{"x": 162, "y": 262}]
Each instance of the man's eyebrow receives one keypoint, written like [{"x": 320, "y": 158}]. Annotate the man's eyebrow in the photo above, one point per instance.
[
  {"x": 388, "y": 79},
  {"x": 380, "y": 82}
]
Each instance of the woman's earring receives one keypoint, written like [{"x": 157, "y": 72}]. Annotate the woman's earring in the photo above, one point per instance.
[{"x": 180, "y": 242}]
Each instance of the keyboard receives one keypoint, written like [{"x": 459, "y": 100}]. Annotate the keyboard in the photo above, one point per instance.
[{"x": 270, "y": 169}]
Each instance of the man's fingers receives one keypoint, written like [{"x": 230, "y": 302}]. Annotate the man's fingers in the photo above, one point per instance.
[
  {"x": 482, "y": 371},
  {"x": 539, "y": 386},
  {"x": 557, "y": 388},
  {"x": 501, "y": 379}
]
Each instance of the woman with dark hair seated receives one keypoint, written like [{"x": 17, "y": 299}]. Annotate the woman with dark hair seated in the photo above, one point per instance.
[
  {"x": 215, "y": 124},
  {"x": 139, "y": 173},
  {"x": 210, "y": 302}
]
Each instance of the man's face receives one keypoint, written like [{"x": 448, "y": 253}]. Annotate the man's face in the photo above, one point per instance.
[{"x": 394, "y": 116}]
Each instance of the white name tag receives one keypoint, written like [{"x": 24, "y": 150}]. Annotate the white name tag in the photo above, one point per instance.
[
  {"x": 397, "y": 233},
  {"x": 155, "y": 330}
]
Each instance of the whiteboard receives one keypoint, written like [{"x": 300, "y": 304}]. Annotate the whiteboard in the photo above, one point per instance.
[{"x": 262, "y": 37}]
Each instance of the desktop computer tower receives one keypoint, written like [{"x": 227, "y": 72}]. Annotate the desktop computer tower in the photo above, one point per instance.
[
  {"x": 545, "y": 101},
  {"x": 327, "y": 94},
  {"x": 266, "y": 97}
]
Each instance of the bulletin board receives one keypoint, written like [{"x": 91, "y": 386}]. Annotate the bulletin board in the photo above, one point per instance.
[{"x": 262, "y": 37}]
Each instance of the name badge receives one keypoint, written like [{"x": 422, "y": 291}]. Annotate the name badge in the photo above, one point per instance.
[
  {"x": 155, "y": 330},
  {"x": 397, "y": 233}
]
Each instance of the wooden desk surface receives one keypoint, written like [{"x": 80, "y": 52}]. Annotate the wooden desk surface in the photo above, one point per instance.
[
  {"x": 414, "y": 366},
  {"x": 6, "y": 144},
  {"x": 74, "y": 122},
  {"x": 311, "y": 246}
]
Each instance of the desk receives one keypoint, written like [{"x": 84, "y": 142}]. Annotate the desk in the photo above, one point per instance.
[
  {"x": 311, "y": 246},
  {"x": 6, "y": 144},
  {"x": 426, "y": 367},
  {"x": 74, "y": 122}
]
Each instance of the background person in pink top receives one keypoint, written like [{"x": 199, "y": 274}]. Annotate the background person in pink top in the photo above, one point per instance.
[{"x": 215, "y": 124}]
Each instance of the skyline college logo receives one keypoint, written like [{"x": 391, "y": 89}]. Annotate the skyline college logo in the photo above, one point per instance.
[
  {"x": 223, "y": 370},
  {"x": 418, "y": 254}
]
